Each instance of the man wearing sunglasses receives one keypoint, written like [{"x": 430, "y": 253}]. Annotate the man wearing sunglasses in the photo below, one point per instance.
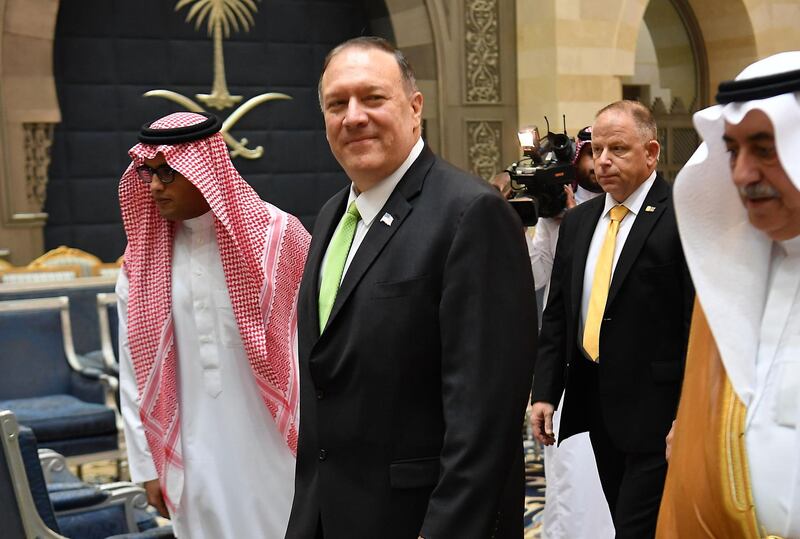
[
  {"x": 175, "y": 196},
  {"x": 207, "y": 301}
]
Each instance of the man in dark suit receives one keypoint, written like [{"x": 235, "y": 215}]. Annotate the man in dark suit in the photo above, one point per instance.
[
  {"x": 412, "y": 396},
  {"x": 617, "y": 320}
]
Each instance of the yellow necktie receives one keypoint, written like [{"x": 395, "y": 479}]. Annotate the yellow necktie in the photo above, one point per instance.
[{"x": 600, "y": 284}]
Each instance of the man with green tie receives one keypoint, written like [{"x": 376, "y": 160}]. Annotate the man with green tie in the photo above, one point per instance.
[{"x": 411, "y": 401}]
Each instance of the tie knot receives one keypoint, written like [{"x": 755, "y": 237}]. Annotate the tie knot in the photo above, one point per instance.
[
  {"x": 352, "y": 209},
  {"x": 618, "y": 212}
]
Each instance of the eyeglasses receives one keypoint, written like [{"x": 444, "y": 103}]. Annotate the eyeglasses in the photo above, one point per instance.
[{"x": 165, "y": 173}]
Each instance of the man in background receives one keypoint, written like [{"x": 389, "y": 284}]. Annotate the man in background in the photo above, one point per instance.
[
  {"x": 574, "y": 503},
  {"x": 614, "y": 331},
  {"x": 412, "y": 403},
  {"x": 734, "y": 468},
  {"x": 207, "y": 305}
]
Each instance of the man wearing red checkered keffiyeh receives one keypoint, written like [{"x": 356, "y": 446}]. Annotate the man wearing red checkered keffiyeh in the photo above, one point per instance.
[{"x": 208, "y": 335}]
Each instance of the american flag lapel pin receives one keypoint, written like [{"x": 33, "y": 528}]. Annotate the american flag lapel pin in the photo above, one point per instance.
[
  {"x": 387, "y": 219},
  {"x": 650, "y": 209}
]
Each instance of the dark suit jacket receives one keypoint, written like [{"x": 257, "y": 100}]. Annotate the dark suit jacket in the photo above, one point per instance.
[
  {"x": 412, "y": 399},
  {"x": 643, "y": 335}
]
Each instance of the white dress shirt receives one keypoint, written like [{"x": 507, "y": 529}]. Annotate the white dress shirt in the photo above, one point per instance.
[
  {"x": 370, "y": 202},
  {"x": 634, "y": 204},
  {"x": 771, "y": 432},
  {"x": 238, "y": 471}
]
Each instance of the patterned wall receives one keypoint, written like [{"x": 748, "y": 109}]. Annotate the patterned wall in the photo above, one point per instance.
[{"x": 109, "y": 52}]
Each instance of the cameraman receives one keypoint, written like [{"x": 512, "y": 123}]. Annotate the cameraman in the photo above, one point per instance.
[
  {"x": 543, "y": 248},
  {"x": 574, "y": 501}
]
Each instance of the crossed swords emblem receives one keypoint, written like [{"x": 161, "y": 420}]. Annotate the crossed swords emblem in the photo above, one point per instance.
[
  {"x": 222, "y": 17},
  {"x": 237, "y": 147}
]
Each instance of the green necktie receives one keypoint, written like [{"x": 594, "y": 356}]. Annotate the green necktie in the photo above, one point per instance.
[{"x": 338, "y": 249}]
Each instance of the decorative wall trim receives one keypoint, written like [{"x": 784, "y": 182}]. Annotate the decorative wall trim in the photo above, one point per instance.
[
  {"x": 482, "y": 48},
  {"x": 485, "y": 147},
  {"x": 38, "y": 140}
]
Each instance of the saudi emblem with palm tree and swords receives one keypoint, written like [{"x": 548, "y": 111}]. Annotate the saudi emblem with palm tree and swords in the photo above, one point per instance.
[{"x": 221, "y": 18}]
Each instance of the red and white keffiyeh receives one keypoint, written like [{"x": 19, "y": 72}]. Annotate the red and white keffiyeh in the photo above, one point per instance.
[
  {"x": 263, "y": 251},
  {"x": 580, "y": 142}
]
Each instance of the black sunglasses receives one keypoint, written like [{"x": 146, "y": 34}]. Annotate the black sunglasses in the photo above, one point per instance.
[{"x": 165, "y": 173}]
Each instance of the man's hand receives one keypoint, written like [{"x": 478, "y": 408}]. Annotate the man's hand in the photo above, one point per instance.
[
  {"x": 542, "y": 422},
  {"x": 670, "y": 437},
  {"x": 155, "y": 498},
  {"x": 569, "y": 204},
  {"x": 570, "y": 197},
  {"x": 502, "y": 182}
]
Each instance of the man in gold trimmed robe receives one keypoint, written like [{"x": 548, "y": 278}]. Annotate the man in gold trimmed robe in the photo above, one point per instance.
[{"x": 734, "y": 463}]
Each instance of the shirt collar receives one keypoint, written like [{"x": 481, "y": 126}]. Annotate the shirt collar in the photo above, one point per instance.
[
  {"x": 791, "y": 247},
  {"x": 584, "y": 195},
  {"x": 635, "y": 200},
  {"x": 370, "y": 202},
  {"x": 203, "y": 222}
]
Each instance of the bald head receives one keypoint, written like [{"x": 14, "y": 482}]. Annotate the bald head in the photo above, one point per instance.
[{"x": 640, "y": 114}]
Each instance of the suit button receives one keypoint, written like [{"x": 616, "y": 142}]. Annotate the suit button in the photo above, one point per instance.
[
  {"x": 323, "y": 454},
  {"x": 320, "y": 394}
]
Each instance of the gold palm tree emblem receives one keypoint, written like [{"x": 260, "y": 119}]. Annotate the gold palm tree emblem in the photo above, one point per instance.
[{"x": 222, "y": 16}]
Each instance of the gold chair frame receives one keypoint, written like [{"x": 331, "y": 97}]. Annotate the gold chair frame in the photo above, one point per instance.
[
  {"x": 74, "y": 269},
  {"x": 55, "y": 256}
]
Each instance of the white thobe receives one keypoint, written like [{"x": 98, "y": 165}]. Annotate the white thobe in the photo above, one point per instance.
[
  {"x": 772, "y": 430},
  {"x": 238, "y": 471},
  {"x": 575, "y": 506}
]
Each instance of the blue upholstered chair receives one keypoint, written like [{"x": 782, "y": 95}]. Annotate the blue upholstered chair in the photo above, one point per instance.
[
  {"x": 82, "y": 294},
  {"x": 32, "y": 508},
  {"x": 19, "y": 513},
  {"x": 109, "y": 328},
  {"x": 70, "y": 408},
  {"x": 105, "y": 358}
]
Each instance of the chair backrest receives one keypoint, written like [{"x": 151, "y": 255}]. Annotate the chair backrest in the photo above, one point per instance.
[
  {"x": 18, "y": 514},
  {"x": 68, "y": 256},
  {"x": 82, "y": 294},
  {"x": 106, "y": 270},
  {"x": 36, "y": 352},
  {"x": 40, "y": 274},
  {"x": 108, "y": 322},
  {"x": 29, "y": 449}
]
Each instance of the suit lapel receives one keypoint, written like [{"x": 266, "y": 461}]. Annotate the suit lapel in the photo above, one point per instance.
[
  {"x": 326, "y": 224},
  {"x": 379, "y": 234},
  {"x": 642, "y": 226},
  {"x": 580, "y": 251}
]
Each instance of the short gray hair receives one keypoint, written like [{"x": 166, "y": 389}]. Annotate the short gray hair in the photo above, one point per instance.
[{"x": 378, "y": 43}]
